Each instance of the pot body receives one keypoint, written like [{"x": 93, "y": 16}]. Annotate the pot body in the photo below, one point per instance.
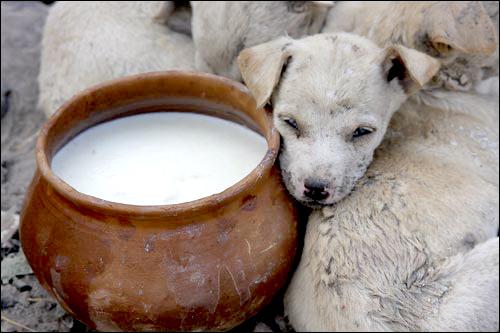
[{"x": 205, "y": 265}]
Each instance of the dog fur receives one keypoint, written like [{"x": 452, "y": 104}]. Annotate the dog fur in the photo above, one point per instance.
[
  {"x": 85, "y": 43},
  {"x": 414, "y": 246},
  {"x": 461, "y": 34},
  {"x": 221, "y": 29},
  {"x": 329, "y": 95}
]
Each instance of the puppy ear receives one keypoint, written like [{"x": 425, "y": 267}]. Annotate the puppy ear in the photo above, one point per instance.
[
  {"x": 261, "y": 67},
  {"x": 461, "y": 25},
  {"x": 411, "y": 68}
]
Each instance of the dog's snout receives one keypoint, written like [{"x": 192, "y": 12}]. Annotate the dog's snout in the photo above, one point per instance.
[{"x": 315, "y": 190}]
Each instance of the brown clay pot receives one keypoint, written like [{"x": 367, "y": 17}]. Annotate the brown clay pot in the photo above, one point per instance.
[{"x": 208, "y": 264}]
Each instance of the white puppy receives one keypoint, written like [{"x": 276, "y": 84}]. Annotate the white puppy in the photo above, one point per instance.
[
  {"x": 460, "y": 34},
  {"x": 332, "y": 108},
  {"x": 414, "y": 247},
  {"x": 85, "y": 43},
  {"x": 399, "y": 253},
  {"x": 221, "y": 29}
]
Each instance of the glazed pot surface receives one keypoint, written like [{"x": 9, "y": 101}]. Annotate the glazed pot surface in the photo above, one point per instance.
[{"x": 207, "y": 264}]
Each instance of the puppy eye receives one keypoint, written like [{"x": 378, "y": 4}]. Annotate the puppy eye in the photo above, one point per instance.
[
  {"x": 291, "y": 122},
  {"x": 360, "y": 131}
]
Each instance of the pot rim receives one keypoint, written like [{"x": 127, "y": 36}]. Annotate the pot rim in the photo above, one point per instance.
[{"x": 190, "y": 208}]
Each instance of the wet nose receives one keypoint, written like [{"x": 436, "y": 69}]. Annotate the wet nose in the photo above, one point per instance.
[{"x": 315, "y": 190}]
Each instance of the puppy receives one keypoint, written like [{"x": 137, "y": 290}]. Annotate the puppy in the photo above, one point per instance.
[
  {"x": 87, "y": 43},
  {"x": 410, "y": 244},
  {"x": 414, "y": 247},
  {"x": 460, "y": 34},
  {"x": 221, "y": 29},
  {"x": 332, "y": 107}
]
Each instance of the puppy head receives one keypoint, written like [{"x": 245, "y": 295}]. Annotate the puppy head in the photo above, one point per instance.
[
  {"x": 220, "y": 30},
  {"x": 462, "y": 36},
  {"x": 333, "y": 96}
]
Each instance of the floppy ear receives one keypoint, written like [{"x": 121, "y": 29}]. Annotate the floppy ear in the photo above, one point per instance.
[
  {"x": 411, "y": 68},
  {"x": 261, "y": 67},
  {"x": 462, "y": 25}
]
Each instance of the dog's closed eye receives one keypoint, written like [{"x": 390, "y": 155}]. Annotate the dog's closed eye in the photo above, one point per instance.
[
  {"x": 291, "y": 122},
  {"x": 361, "y": 131}
]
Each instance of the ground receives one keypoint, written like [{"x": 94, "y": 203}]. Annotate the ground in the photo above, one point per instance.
[{"x": 26, "y": 306}]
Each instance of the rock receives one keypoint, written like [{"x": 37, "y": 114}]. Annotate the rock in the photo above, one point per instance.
[
  {"x": 8, "y": 296},
  {"x": 261, "y": 327},
  {"x": 14, "y": 265},
  {"x": 10, "y": 225}
]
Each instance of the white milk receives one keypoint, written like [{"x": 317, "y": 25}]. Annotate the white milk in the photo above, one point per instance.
[{"x": 159, "y": 158}]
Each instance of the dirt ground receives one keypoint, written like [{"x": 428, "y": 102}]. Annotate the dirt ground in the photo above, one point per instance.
[{"x": 26, "y": 306}]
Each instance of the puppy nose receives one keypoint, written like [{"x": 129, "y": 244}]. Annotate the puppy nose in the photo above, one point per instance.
[{"x": 315, "y": 190}]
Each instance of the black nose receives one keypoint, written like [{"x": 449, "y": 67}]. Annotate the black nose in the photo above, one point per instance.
[{"x": 315, "y": 190}]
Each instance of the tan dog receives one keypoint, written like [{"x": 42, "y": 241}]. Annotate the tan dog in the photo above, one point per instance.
[
  {"x": 85, "y": 43},
  {"x": 460, "y": 34},
  {"x": 413, "y": 247},
  {"x": 221, "y": 29}
]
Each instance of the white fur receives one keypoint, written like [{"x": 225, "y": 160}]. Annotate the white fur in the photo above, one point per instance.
[
  {"x": 463, "y": 35},
  {"x": 85, "y": 43},
  {"x": 413, "y": 247},
  {"x": 221, "y": 29},
  {"x": 330, "y": 94}
]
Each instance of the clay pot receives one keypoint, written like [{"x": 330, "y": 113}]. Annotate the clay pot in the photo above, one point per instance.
[{"x": 208, "y": 264}]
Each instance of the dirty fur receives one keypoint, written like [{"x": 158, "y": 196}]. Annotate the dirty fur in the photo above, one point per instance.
[
  {"x": 221, "y": 29},
  {"x": 461, "y": 34},
  {"x": 397, "y": 248},
  {"x": 414, "y": 247},
  {"x": 329, "y": 95},
  {"x": 87, "y": 43}
]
